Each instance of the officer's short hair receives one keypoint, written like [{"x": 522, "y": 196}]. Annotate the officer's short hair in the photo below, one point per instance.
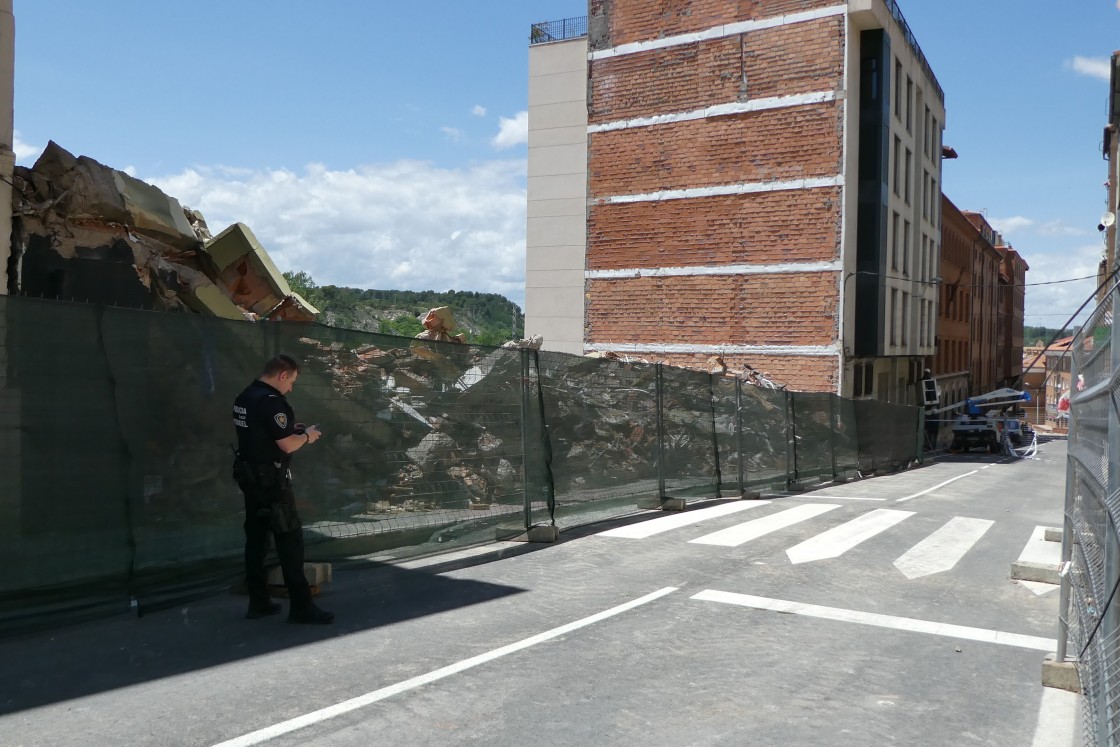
[{"x": 280, "y": 364}]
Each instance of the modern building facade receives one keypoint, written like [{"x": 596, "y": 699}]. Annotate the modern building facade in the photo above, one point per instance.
[{"x": 762, "y": 183}]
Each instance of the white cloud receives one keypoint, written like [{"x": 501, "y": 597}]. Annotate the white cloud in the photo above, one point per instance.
[
  {"x": 512, "y": 132},
  {"x": 1011, "y": 225},
  {"x": 26, "y": 154},
  {"x": 383, "y": 227},
  {"x": 453, "y": 134},
  {"x": 1094, "y": 67},
  {"x": 1051, "y": 305},
  {"x": 479, "y": 110},
  {"x": 1058, "y": 228}
]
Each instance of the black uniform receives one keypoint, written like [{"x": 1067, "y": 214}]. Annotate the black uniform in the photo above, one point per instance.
[{"x": 262, "y": 416}]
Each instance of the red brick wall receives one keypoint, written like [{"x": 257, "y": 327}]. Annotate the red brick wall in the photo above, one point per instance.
[
  {"x": 801, "y": 58},
  {"x": 639, "y": 20},
  {"x": 793, "y": 143},
  {"x": 801, "y": 225},
  {"x": 803, "y": 373},
  {"x": 779, "y": 309},
  {"x": 789, "y": 309}
]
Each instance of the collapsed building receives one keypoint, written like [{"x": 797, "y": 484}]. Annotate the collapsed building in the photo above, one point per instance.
[{"x": 83, "y": 231}]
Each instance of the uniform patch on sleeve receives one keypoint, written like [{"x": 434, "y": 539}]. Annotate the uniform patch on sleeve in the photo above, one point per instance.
[{"x": 281, "y": 419}]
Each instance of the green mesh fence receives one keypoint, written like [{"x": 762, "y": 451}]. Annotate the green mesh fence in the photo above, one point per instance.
[{"x": 117, "y": 462}]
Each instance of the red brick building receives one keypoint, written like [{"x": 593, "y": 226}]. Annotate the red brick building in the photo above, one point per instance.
[{"x": 763, "y": 183}]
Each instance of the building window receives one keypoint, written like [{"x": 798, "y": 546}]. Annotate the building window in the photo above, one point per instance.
[
  {"x": 897, "y": 89},
  {"x": 926, "y": 135},
  {"x": 909, "y": 105},
  {"x": 894, "y": 241},
  {"x": 894, "y": 316},
  {"x": 925, "y": 195},
  {"x": 897, "y": 163},
  {"x": 905, "y": 318},
  {"x": 863, "y": 380},
  {"x": 906, "y": 247},
  {"x": 908, "y": 159}
]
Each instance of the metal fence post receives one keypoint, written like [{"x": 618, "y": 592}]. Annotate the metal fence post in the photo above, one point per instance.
[
  {"x": 739, "y": 430},
  {"x": 525, "y": 397},
  {"x": 791, "y": 440},
  {"x": 659, "y": 400},
  {"x": 832, "y": 431}
]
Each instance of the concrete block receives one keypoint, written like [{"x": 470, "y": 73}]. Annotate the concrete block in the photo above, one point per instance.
[
  {"x": 750, "y": 495},
  {"x": 1053, "y": 534},
  {"x": 1024, "y": 570},
  {"x": 1061, "y": 675},
  {"x": 674, "y": 504},
  {"x": 539, "y": 534}
]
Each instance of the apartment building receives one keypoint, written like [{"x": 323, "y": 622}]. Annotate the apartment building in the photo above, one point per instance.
[
  {"x": 760, "y": 181},
  {"x": 976, "y": 307}
]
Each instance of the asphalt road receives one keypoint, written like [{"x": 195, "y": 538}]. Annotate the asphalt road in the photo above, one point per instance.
[{"x": 873, "y": 613}]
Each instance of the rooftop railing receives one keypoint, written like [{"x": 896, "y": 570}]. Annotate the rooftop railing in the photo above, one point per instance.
[
  {"x": 913, "y": 42},
  {"x": 552, "y": 31}
]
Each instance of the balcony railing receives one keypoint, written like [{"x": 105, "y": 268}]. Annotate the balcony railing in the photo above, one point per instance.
[
  {"x": 913, "y": 42},
  {"x": 552, "y": 31}
]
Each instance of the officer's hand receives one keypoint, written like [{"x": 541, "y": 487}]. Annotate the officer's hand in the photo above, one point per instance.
[{"x": 313, "y": 433}]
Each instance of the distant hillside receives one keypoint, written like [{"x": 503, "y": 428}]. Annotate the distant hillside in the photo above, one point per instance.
[
  {"x": 486, "y": 318},
  {"x": 1034, "y": 335}
]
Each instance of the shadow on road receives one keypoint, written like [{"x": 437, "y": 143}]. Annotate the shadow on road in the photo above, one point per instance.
[{"x": 63, "y": 664}]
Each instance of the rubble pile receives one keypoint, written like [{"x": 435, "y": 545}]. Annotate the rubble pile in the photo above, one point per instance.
[{"x": 85, "y": 232}]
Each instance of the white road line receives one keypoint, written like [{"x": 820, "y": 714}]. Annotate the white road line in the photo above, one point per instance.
[
  {"x": 938, "y": 485},
  {"x": 838, "y": 540},
  {"x": 943, "y": 549},
  {"x": 644, "y": 529},
  {"x": 741, "y": 533},
  {"x": 845, "y": 498},
  {"x": 309, "y": 719},
  {"x": 983, "y": 635},
  {"x": 1057, "y": 719},
  {"x": 1039, "y": 550}
]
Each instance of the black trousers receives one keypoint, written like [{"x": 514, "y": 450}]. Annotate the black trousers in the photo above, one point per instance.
[{"x": 260, "y": 525}]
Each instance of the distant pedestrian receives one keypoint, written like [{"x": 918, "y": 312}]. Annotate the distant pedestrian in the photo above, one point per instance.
[{"x": 267, "y": 436}]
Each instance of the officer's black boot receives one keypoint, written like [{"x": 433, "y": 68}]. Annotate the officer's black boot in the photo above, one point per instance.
[{"x": 310, "y": 616}]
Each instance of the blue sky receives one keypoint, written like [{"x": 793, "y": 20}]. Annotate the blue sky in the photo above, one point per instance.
[{"x": 382, "y": 145}]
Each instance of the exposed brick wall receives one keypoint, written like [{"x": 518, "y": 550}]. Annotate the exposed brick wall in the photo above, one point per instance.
[
  {"x": 786, "y": 309},
  {"x": 639, "y": 20},
  {"x": 799, "y": 58},
  {"x": 792, "y": 143},
  {"x": 803, "y": 373},
  {"x": 765, "y": 228}
]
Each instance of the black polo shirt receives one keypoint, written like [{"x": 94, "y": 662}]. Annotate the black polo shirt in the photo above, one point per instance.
[{"x": 261, "y": 417}]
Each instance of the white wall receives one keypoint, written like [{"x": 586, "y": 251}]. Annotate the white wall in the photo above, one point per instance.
[{"x": 556, "y": 231}]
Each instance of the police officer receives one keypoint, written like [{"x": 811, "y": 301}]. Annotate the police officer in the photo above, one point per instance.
[{"x": 267, "y": 436}]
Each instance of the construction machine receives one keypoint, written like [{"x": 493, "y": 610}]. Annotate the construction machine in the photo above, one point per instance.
[{"x": 991, "y": 420}]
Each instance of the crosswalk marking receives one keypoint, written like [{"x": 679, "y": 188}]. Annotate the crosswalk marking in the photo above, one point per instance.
[
  {"x": 943, "y": 549},
  {"x": 838, "y": 540},
  {"x": 742, "y": 533},
  {"x": 644, "y": 529},
  {"x": 985, "y": 635}
]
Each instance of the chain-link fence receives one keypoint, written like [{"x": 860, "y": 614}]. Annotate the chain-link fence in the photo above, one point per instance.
[
  {"x": 116, "y": 463},
  {"x": 1090, "y": 541}
]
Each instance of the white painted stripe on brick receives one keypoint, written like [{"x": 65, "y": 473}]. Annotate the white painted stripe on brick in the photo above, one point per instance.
[
  {"x": 838, "y": 540},
  {"x": 656, "y": 272},
  {"x": 944, "y": 548},
  {"x": 983, "y": 635},
  {"x": 718, "y": 110},
  {"x": 720, "y": 190},
  {"x": 346, "y": 706},
  {"x": 674, "y": 348},
  {"x": 718, "y": 32},
  {"x": 644, "y": 529},
  {"x": 747, "y": 531}
]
